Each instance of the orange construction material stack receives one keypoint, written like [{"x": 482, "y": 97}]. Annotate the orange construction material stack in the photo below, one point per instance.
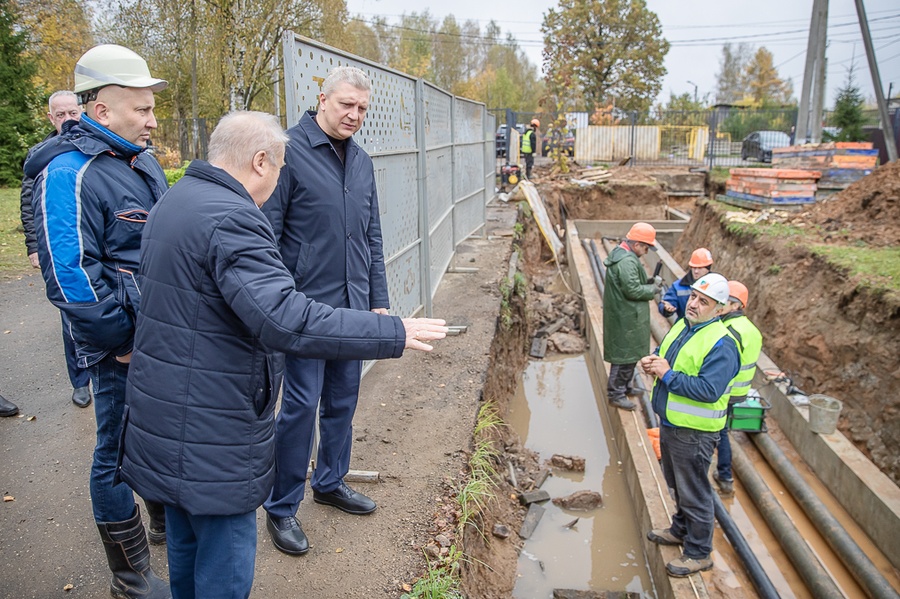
[
  {"x": 840, "y": 163},
  {"x": 760, "y": 187}
]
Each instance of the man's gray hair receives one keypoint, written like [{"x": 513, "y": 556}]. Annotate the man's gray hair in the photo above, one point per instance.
[
  {"x": 352, "y": 75},
  {"x": 59, "y": 94},
  {"x": 241, "y": 134}
]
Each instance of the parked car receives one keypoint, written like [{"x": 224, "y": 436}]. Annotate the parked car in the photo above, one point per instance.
[
  {"x": 556, "y": 138},
  {"x": 759, "y": 144},
  {"x": 501, "y": 137}
]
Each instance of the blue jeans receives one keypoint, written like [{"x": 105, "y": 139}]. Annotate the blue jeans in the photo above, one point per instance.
[
  {"x": 111, "y": 502},
  {"x": 210, "y": 556},
  {"x": 686, "y": 456},
  {"x": 723, "y": 462},
  {"x": 78, "y": 376},
  {"x": 305, "y": 380}
]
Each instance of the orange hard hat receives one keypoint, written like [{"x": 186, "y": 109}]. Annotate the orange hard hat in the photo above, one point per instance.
[
  {"x": 701, "y": 257},
  {"x": 536, "y": 123},
  {"x": 738, "y": 291},
  {"x": 642, "y": 232}
]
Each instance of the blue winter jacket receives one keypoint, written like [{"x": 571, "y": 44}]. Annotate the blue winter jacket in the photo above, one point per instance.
[
  {"x": 326, "y": 220},
  {"x": 91, "y": 196},
  {"x": 199, "y": 419},
  {"x": 678, "y": 295}
]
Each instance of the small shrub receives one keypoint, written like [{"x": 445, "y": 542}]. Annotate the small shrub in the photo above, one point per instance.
[
  {"x": 773, "y": 270},
  {"x": 174, "y": 174}
]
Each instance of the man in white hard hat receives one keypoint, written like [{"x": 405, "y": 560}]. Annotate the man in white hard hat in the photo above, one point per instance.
[
  {"x": 693, "y": 369},
  {"x": 94, "y": 186},
  {"x": 64, "y": 108}
]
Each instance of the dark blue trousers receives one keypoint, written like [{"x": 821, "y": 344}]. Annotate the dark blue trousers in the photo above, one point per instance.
[
  {"x": 79, "y": 377},
  {"x": 686, "y": 455},
  {"x": 211, "y": 557},
  {"x": 305, "y": 381}
]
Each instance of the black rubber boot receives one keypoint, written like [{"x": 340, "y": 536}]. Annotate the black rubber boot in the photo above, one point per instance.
[
  {"x": 157, "y": 512},
  {"x": 128, "y": 555}
]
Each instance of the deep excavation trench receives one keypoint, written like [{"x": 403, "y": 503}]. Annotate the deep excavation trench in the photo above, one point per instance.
[{"x": 832, "y": 335}]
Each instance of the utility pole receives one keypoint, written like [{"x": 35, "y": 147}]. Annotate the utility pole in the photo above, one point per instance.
[
  {"x": 815, "y": 53},
  {"x": 818, "y": 91},
  {"x": 695, "y": 90},
  {"x": 886, "y": 126}
]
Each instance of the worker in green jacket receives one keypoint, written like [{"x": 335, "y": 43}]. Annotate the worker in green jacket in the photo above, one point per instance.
[
  {"x": 528, "y": 146},
  {"x": 749, "y": 343},
  {"x": 626, "y": 313}
]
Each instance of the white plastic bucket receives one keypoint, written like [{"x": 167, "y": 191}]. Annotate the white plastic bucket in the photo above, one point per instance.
[{"x": 824, "y": 412}]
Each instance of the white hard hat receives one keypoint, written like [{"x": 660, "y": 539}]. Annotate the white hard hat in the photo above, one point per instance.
[
  {"x": 713, "y": 285},
  {"x": 109, "y": 64}
]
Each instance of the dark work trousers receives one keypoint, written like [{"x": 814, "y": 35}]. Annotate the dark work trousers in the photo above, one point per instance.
[
  {"x": 79, "y": 377},
  {"x": 723, "y": 461},
  {"x": 529, "y": 164},
  {"x": 337, "y": 382},
  {"x": 620, "y": 376},
  {"x": 686, "y": 456}
]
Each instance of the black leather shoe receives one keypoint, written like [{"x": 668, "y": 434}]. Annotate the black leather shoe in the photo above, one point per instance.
[
  {"x": 8, "y": 408},
  {"x": 346, "y": 499},
  {"x": 287, "y": 536},
  {"x": 82, "y": 397}
]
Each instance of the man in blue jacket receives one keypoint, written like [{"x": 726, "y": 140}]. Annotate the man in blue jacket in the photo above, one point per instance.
[
  {"x": 63, "y": 108},
  {"x": 693, "y": 367},
  {"x": 93, "y": 187},
  {"x": 325, "y": 215},
  {"x": 199, "y": 425}
]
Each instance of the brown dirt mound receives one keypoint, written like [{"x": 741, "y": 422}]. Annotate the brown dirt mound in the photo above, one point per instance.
[{"x": 868, "y": 210}]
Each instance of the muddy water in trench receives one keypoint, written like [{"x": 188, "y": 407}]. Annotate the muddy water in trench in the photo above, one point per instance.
[{"x": 555, "y": 411}]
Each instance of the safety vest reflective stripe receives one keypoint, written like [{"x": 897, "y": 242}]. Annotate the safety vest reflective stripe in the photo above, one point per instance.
[
  {"x": 684, "y": 411},
  {"x": 526, "y": 141},
  {"x": 696, "y": 411},
  {"x": 749, "y": 366},
  {"x": 741, "y": 384},
  {"x": 749, "y": 346}
]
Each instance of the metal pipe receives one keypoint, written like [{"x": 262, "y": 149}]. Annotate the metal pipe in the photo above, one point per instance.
[
  {"x": 593, "y": 260},
  {"x": 757, "y": 574},
  {"x": 600, "y": 264},
  {"x": 638, "y": 383},
  {"x": 860, "y": 566},
  {"x": 811, "y": 571}
]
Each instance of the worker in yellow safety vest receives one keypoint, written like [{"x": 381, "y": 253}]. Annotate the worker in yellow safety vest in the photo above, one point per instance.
[
  {"x": 749, "y": 342},
  {"x": 693, "y": 369},
  {"x": 528, "y": 146}
]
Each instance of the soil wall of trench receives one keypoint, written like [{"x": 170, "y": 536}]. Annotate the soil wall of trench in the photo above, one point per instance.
[{"x": 832, "y": 335}]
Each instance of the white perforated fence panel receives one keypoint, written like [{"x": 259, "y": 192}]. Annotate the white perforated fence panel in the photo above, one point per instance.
[{"x": 424, "y": 215}]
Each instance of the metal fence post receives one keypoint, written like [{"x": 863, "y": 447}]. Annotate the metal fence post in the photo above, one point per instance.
[
  {"x": 631, "y": 151},
  {"x": 422, "y": 192},
  {"x": 713, "y": 135}
]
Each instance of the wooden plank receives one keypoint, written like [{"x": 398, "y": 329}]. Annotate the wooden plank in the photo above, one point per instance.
[
  {"x": 771, "y": 201},
  {"x": 780, "y": 173},
  {"x": 788, "y": 182},
  {"x": 753, "y": 205}
]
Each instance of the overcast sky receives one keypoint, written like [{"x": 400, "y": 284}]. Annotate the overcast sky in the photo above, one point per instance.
[{"x": 698, "y": 28}]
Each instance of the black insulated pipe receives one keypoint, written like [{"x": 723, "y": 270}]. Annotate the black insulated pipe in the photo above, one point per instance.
[
  {"x": 593, "y": 259},
  {"x": 599, "y": 261},
  {"x": 817, "y": 579},
  {"x": 860, "y": 566},
  {"x": 757, "y": 574}
]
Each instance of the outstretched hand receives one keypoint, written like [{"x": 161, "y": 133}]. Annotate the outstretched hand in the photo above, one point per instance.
[{"x": 419, "y": 330}]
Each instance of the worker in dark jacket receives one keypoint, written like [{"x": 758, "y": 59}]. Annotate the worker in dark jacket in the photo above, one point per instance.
[
  {"x": 200, "y": 427},
  {"x": 326, "y": 220},
  {"x": 693, "y": 369},
  {"x": 626, "y": 313},
  {"x": 63, "y": 108},
  {"x": 93, "y": 188},
  {"x": 675, "y": 299}
]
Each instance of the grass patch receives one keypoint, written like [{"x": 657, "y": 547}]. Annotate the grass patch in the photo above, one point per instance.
[
  {"x": 878, "y": 269},
  {"x": 719, "y": 174},
  {"x": 441, "y": 581},
  {"x": 13, "y": 256}
]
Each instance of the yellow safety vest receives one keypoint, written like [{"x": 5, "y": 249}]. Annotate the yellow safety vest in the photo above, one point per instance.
[
  {"x": 684, "y": 411},
  {"x": 527, "y": 141},
  {"x": 749, "y": 342}
]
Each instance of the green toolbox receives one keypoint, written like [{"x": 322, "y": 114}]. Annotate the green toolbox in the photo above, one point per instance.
[{"x": 749, "y": 415}]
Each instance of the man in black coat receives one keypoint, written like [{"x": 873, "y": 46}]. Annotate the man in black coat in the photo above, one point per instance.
[{"x": 199, "y": 433}]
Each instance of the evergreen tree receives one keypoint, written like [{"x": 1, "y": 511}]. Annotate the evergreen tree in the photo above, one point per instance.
[
  {"x": 18, "y": 125},
  {"x": 848, "y": 111}
]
